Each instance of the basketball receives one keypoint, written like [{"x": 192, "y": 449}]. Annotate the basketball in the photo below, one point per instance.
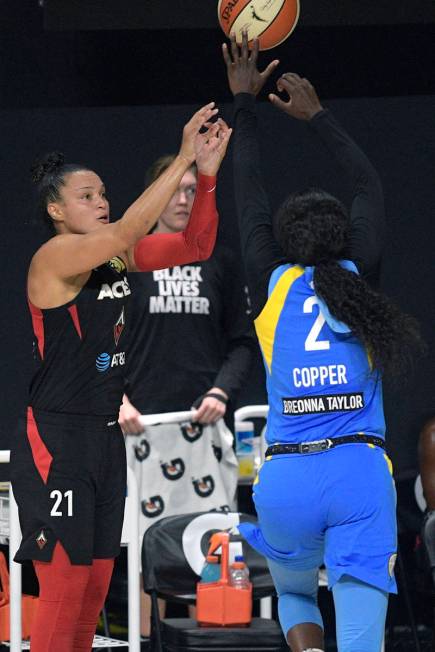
[{"x": 271, "y": 21}]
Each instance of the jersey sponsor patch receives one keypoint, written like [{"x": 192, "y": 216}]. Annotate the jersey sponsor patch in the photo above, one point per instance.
[
  {"x": 116, "y": 290},
  {"x": 325, "y": 403},
  {"x": 104, "y": 361}
]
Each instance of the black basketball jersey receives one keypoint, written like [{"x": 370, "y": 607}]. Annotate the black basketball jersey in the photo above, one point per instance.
[{"x": 79, "y": 347}]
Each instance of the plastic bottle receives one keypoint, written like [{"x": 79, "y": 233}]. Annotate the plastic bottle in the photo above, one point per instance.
[
  {"x": 211, "y": 571},
  {"x": 239, "y": 573},
  {"x": 244, "y": 434}
]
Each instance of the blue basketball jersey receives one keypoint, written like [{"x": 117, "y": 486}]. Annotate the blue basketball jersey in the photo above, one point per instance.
[{"x": 320, "y": 382}]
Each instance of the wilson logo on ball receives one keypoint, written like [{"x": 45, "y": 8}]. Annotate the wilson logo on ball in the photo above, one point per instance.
[{"x": 271, "y": 21}]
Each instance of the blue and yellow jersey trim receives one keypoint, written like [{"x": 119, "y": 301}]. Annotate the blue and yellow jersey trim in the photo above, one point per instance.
[{"x": 267, "y": 321}]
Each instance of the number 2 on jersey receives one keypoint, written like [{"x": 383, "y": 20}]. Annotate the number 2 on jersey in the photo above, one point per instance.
[{"x": 312, "y": 343}]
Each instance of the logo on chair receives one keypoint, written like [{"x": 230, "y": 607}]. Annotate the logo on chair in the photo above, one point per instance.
[
  {"x": 204, "y": 487},
  {"x": 217, "y": 450},
  {"x": 191, "y": 431},
  {"x": 142, "y": 451},
  {"x": 153, "y": 507},
  {"x": 174, "y": 469}
]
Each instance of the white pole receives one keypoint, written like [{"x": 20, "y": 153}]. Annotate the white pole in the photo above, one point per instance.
[
  {"x": 167, "y": 417},
  {"x": 14, "y": 568},
  {"x": 15, "y": 574},
  {"x": 251, "y": 412},
  {"x": 133, "y": 558}
]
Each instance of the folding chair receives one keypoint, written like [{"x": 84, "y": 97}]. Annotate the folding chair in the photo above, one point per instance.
[{"x": 173, "y": 554}]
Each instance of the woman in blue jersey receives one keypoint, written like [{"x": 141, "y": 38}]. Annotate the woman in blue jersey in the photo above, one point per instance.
[{"x": 325, "y": 492}]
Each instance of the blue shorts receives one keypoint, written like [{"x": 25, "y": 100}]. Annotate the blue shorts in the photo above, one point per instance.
[{"x": 336, "y": 508}]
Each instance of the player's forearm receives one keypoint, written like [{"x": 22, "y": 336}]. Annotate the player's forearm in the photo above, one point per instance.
[
  {"x": 355, "y": 164},
  {"x": 143, "y": 214},
  {"x": 260, "y": 250},
  {"x": 161, "y": 250},
  {"x": 367, "y": 210},
  {"x": 201, "y": 231},
  {"x": 251, "y": 200}
]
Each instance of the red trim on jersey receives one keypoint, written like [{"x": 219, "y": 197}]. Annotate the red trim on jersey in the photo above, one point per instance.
[
  {"x": 75, "y": 317},
  {"x": 40, "y": 453},
  {"x": 38, "y": 326}
]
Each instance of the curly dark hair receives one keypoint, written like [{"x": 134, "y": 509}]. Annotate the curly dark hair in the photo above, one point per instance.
[
  {"x": 48, "y": 173},
  {"x": 313, "y": 228}
]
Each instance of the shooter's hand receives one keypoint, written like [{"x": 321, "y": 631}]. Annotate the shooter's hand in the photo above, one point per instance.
[{"x": 302, "y": 102}]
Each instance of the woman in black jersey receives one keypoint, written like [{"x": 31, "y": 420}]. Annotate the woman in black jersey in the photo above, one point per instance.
[{"x": 68, "y": 458}]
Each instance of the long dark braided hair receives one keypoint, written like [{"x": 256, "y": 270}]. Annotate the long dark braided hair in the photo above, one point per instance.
[
  {"x": 48, "y": 173},
  {"x": 313, "y": 228}
]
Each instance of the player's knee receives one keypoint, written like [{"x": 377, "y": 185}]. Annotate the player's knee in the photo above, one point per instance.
[{"x": 99, "y": 581}]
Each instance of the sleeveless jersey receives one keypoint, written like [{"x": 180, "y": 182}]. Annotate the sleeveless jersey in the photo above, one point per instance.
[
  {"x": 320, "y": 383},
  {"x": 79, "y": 347}
]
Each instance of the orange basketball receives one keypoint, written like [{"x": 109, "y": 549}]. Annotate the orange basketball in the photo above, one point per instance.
[{"x": 271, "y": 21}]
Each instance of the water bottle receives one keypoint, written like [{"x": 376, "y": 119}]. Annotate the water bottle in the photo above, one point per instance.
[
  {"x": 239, "y": 573},
  {"x": 211, "y": 570}
]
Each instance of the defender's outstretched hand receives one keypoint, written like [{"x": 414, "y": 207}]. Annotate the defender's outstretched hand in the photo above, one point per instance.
[
  {"x": 302, "y": 103},
  {"x": 243, "y": 74},
  {"x": 192, "y": 128},
  {"x": 211, "y": 146}
]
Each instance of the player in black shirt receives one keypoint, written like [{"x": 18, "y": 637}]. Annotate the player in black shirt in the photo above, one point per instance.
[
  {"x": 191, "y": 343},
  {"x": 68, "y": 458},
  {"x": 191, "y": 334}
]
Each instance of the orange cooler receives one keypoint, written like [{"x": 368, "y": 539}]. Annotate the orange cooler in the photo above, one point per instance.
[{"x": 218, "y": 604}]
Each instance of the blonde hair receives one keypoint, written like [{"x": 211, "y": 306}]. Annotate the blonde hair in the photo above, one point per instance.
[{"x": 160, "y": 165}]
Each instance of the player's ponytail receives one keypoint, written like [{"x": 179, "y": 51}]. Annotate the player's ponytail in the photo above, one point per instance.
[
  {"x": 313, "y": 229},
  {"x": 48, "y": 173},
  {"x": 390, "y": 335}
]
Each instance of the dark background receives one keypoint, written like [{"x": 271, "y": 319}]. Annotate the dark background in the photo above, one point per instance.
[{"x": 111, "y": 84}]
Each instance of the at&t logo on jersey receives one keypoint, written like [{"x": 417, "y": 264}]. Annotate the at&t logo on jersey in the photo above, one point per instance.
[
  {"x": 104, "y": 361},
  {"x": 117, "y": 290}
]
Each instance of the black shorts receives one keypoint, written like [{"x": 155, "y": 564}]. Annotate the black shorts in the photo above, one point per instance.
[{"x": 68, "y": 475}]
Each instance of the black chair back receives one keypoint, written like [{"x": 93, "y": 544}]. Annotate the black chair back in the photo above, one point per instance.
[{"x": 174, "y": 548}]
